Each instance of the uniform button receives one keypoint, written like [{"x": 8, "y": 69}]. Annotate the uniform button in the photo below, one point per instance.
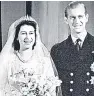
[
  {"x": 71, "y": 74},
  {"x": 87, "y": 89},
  {"x": 87, "y": 82},
  {"x": 87, "y": 73},
  {"x": 71, "y": 90},
  {"x": 71, "y": 82}
]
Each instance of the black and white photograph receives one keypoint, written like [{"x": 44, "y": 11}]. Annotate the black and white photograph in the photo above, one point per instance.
[{"x": 46, "y": 48}]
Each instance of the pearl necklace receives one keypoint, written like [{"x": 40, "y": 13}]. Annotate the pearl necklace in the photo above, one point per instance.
[{"x": 21, "y": 59}]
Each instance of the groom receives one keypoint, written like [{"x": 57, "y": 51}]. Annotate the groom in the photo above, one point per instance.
[{"x": 73, "y": 57}]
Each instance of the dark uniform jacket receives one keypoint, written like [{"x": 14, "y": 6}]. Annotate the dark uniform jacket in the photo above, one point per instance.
[{"x": 74, "y": 67}]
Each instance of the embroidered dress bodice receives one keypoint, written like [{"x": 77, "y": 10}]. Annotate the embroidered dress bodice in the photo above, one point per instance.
[{"x": 15, "y": 66}]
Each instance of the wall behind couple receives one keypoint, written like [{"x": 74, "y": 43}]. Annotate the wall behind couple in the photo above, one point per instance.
[{"x": 48, "y": 14}]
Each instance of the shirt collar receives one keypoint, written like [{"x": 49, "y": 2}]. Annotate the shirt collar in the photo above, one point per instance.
[{"x": 81, "y": 36}]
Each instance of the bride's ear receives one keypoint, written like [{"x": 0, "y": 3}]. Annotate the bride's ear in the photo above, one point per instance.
[{"x": 66, "y": 20}]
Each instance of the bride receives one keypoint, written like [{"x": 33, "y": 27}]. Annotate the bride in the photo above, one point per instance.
[{"x": 26, "y": 68}]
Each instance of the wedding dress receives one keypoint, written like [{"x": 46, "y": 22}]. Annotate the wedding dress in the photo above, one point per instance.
[
  {"x": 38, "y": 68},
  {"x": 19, "y": 78}
]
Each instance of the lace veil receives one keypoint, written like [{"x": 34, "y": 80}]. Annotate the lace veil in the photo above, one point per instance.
[{"x": 39, "y": 49}]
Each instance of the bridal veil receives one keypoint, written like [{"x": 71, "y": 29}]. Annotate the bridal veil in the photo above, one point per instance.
[{"x": 39, "y": 50}]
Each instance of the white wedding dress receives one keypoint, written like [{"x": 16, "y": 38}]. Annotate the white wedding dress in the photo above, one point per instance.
[
  {"x": 11, "y": 67},
  {"x": 41, "y": 67}
]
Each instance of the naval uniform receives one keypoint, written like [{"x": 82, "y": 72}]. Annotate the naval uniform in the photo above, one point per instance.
[{"x": 74, "y": 66}]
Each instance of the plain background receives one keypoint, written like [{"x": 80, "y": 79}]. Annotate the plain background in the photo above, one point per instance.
[{"x": 48, "y": 14}]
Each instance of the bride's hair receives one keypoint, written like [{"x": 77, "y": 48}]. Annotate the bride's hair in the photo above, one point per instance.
[{"x": 16, "y": 44}]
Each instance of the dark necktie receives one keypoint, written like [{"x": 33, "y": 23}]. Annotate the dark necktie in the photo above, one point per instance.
[{"x": 77, "y": 44}]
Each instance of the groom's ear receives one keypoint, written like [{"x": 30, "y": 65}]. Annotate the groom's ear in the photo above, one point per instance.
[{"x": 66, "y": 20}]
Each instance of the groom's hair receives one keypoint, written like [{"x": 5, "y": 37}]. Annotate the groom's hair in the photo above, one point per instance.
[
  {"x": 16, "y": 44},
  {"x": 73, "y": 5}
]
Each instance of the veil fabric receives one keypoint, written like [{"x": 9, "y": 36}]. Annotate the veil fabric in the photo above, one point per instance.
[{"x": 39, "y": 49}]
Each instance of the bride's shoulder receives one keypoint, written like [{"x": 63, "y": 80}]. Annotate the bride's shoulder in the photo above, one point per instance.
[
  {"x": 47, "y": 58},
  {"x": 43, "y": 60},
  {"x": 46, "y": 61},
  {"x": 12, "y": 57}
]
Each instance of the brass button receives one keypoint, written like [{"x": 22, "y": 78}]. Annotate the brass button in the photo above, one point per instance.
[
  {"x": 87, "y": 90},
  {"x": 71, "y": 90},
  {"x": 71, "y": 82},
  {"x": 87, "y": 73},
  {"x": 71, "y": 74},
  {"x": 87, "y": 82}
]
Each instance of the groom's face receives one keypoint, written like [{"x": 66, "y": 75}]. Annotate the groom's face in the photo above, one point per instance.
[{"x": 77, "y": 19}]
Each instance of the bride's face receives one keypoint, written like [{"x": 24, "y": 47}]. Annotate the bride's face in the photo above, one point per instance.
[{"x": 26, "y": 37}]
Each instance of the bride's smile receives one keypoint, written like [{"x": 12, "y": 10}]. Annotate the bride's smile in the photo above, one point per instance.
[{"x": 26, "y": 36}]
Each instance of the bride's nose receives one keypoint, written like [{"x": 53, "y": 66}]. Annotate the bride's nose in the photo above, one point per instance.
[{"x": 27, "y": 36}]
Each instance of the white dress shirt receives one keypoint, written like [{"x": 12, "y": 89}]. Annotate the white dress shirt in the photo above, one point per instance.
[{"x": 81, "y": 37}]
